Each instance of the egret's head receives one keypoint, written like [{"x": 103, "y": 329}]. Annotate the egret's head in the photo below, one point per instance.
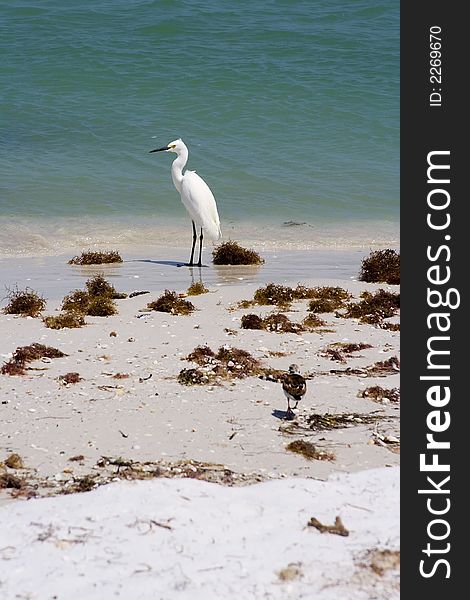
[
  {"x": 294, "y": 369},
  {"x": 177, "y": 146}
]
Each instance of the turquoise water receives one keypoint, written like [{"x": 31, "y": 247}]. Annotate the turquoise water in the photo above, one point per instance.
[{"x": 290, "y": 111}]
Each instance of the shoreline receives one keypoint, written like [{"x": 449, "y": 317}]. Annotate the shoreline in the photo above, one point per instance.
[
  {"x": 164, "y": 268},
  {"x": 138, "y": 235}
]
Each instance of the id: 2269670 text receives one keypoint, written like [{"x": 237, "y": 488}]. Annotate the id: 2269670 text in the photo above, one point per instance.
[{"x": 435, "y": 62}]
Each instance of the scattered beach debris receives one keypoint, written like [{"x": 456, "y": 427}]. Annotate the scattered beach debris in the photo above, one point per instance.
[
  {"x": 338, "y": 528},
  {"x": 389, "y": 326},
  {"x": 309, "y": 451},
  {"x": 113, "y": 334},
  {"x": 231, "y": 253},
  {"x": 77, "y": 458},
  {"x": 81, "y": 484},
  {"x": 26, "y": 303},
  {"x": 330, "y": 421},
  {"x": 304, "y": 424},
  {"x": 391, "y": 442},
  {"x": 8, "y": 480},
  {"x": 374, "y": 307},
  {"x": 293, "y": 223},
  {"x": 193, "y": 469},
  {"x": 120, "y": 376},
  {"x": 142, "y": 379},
  {"x": 381, "y": 368},
  {"x": 229, "y": 331},
  {"x": 193, "y": 377},
  {"x": 196, "y": 289},
  {"x": 68, "y": 320},
  {"x": 380, "y": 394},
  {"x": 382, "y": 560},
  {"x": 339, "y": 351},
  {"x": 138, "y": 293},
  {"x": 23, "y": 355},
  {"x": 70, "y": 378},
  {"x": 291, "y": 572},
  {"x": 381, "y": 266},
  {"x": 280, "y": 323},
  {"x": 91, "y": 257},
  {"x": 14, "y": 461},
  {"x": 170, "y": 302},
  {"x": 227, "y": 363}
]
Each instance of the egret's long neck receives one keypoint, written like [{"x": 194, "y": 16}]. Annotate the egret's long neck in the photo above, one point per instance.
[{"x": 177, "y": 168}]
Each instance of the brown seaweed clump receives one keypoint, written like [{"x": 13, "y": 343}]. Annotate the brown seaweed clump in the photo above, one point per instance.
[
  {"x": 14, "y": 461},
  {"x": 227, "y": 363},
  {"x": 23, "y": 355},
  {"x": 201, "y": 355},
  {"x": 101, "y": 306},
  {"x": 68, "y": 320},
  {"x": 280, "y": 323},
  {"x": 329, "y": 421},
  {"x": 309, "y": 451},
  {"x": 322, "y": 299},
  {"x": 252, "y": 321},
  {"x": 374, "y": 307},
  {"x": 8, "y": 480},
  {"x": 231, "y": 253},
  {"x": 380, "y": 394},
  {"x": 26, "y": 303},
  {"x": 193, "y": 377},
  {"x": 328, "y": 299},
  {"x": 170, "y": 302},
  {"x": 76, "y": 302},
  {"x": 96, "y": 300},
  {"x": 312, "y": 322},
  {"x": 274, "y": 294},
  {"x": 69, "y": 378},
  {"x": 196, "y": 289},
  {"x": 90, "y": 257},
  {"x": 339, "y": 351},
  {"x": 98, "y": 286},
  {"x": 382, "y": 266}
]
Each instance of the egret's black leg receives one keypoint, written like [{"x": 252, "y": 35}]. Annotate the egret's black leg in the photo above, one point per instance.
[
  {"x": 191, "y": 263},
  {"x": 199, "y": 264}
]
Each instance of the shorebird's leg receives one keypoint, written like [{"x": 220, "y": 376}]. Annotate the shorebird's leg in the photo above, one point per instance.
[
  {"x": 191, "y": 263},
  {"x": 201, "y": 237},
  {"x": 289, "y": 410}
]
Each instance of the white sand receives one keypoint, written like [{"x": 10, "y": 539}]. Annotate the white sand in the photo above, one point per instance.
[
  {"x": 47, "y": 423},
  {"x": 224, "y": 543}
]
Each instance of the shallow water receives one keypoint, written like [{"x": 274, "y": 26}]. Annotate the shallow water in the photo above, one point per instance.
[
  {"x": 290, "y": 111},
  {"x": 52, "y": 277}
]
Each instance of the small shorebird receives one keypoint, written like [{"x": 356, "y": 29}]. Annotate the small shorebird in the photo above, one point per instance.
[{"x": 294, "y": 386}]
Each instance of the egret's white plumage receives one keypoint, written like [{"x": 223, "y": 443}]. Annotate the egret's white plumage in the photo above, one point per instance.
[{"x": 196, "y": 196}]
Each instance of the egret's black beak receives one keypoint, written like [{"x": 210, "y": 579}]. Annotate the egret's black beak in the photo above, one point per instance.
[{"x": 159, "y": 149}]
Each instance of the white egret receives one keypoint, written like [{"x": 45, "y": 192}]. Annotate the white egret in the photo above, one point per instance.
[{"x": 196, "y": 196}]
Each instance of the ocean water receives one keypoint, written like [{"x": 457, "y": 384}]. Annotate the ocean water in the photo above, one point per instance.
[{"x": 290, "y": 111}]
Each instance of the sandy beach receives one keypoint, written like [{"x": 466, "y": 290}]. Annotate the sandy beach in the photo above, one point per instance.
[{"x": 233, "y": 429}]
